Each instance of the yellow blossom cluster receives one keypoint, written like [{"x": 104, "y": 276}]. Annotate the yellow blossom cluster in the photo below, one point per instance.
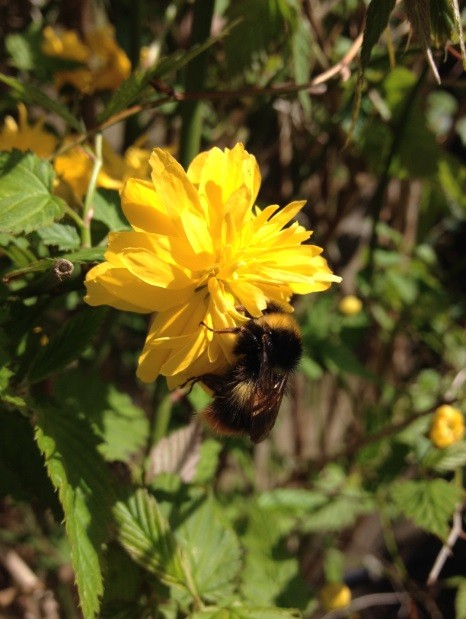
[
  {"x": 350, "y": 305},
  {"x": 201, "y": 252},
  {"x": 101, "y": 63},
  {"x": 74, "y": 166},
  {"x": 335, "y": 595},
  {"x": 447, "y": 426}
]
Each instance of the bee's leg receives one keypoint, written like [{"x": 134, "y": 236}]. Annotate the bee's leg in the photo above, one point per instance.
[
  {"x": 191, "y": 381},
  {"x": 229, "y": 330}
]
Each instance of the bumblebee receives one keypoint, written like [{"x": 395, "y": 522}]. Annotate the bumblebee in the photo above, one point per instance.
[{"x": 247, "y": 396}]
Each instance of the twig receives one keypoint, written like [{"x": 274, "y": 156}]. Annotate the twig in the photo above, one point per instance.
[
  {"x": 386, "y": 432},
  {"x": 19, "y": 571},
  {"x": 368, "y": 601},
  {"x": 314, "y": 86},
  {"x": 455, "y": 533}
]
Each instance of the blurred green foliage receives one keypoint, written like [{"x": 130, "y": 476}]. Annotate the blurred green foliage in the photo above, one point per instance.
[{"x": 161, "y": 520}]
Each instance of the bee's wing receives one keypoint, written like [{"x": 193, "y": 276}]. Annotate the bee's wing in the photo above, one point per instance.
[{"x": 266, "y": 402}]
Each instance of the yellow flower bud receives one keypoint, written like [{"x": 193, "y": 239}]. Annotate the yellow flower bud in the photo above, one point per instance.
[
  {"x": 350, "y": 305},
  {"x": 447, "y": 426},
  {"x": 335, "y": 595}
]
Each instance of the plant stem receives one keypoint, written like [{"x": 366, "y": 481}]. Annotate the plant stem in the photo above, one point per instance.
[
  {"x": 89, "y": 201},
  {"x": 191, "y": 111}
]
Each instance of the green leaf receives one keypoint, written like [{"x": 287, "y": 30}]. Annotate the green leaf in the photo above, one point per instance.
[
  {"x": 63, "y": 236},
  {"x": 121, "y": 425},
  {"x": 26, "y": 203},
  {"x": 25, "y": 49},
  {"x": 145, "y": 534},
  {"x": 377, "y": 17},
  {"x": 107, "y": 209},
  {"x": 271, "y": 574},
  {"x": 339, "y": 358},
  {"x": 32, "y": 95},
  {"x": 460, "y": 600},
  {"x": 82, "y": 479},
  {"x": 262, "y": 23},
  {"x": 67, "y": 344},
  {"x": 430, "y": 504},
  {"x": 301, "y": 45},
  {"x": 447, "y": 459},
  {"x": 209, "y": 459},
  {"x": 212, "y": 551}
]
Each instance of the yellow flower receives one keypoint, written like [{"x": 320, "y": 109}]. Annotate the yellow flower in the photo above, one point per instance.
[
  {"x": 335, "y": 595},
  {"x": 104, "y": 64},
  {"x": 116, "y": 169},
  {"x": 23, "y": 136},
  {"x": 447, "y": 426},
  {"x": 350, "y": 305},
  {"x": 74, "y": 168},
  {"x": 199, "y": 249}
]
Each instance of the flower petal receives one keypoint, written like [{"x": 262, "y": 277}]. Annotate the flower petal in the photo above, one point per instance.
[{"x": 144, "y": 208}]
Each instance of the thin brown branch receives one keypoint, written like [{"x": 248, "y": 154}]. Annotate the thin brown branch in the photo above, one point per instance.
[
  {"x": 369, "y": 601},
  {"x": 314, "y": 86},
  {"x": 455, "y": 533},
  {"x": 20, "y": 572}
]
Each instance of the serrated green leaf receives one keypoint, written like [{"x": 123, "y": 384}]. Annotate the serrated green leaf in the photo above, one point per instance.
[
  {"x": 84, "y": 487},
  {"x": 377, "y": 17},
  {"x": 430, "y": 504},
  {"x": 63, "y": 236},
  {"x": 67, "y": 344},
  {"x": 212, "y": 551},
  {"x": 32, "y": 95},
  {"x": 26, "y": 203},
  {"x": 208, "y": 463},
  {"x": 145, "y": 534},
  {"x": 447, "y": 459},
  {"x": 121, "y": 425}
]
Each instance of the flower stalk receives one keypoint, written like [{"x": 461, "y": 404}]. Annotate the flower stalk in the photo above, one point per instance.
[{"x": 89, "y": 201}]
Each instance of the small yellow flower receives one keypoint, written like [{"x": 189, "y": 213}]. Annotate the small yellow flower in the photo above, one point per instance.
[
  {"x": 350, "y": 305},
  {"x": 104, "y": 64},
  {"x": 23, "y": 136},
  {"x": 335, "y": 595},
  {"x": 199, "y": 249},
  {"x": 74, "y": 168},
  {"x": 116, "y": 169},
  {"x": 447, "y": 426}
]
